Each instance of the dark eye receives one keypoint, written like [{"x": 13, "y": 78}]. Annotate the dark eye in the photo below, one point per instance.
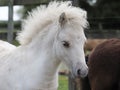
[{"x": 66, "y": 44}]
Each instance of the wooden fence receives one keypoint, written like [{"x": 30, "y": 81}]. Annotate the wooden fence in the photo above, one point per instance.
[{"x": 11, "y": 3}]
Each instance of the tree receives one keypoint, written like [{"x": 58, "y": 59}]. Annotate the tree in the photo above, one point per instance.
[{"x": 108, "y": 8}]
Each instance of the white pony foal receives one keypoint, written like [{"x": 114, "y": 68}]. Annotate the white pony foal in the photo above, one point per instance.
[
  {"x": 5, "y": 47},
  {"x": 50, "y": 35}
]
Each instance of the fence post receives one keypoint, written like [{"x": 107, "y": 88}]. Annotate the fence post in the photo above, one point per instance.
[
  {"x": 10, "y": 21},
  {"x": 74, "y": 84}
]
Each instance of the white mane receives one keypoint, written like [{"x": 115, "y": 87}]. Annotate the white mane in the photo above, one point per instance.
[{"x": 43, "y": 16}]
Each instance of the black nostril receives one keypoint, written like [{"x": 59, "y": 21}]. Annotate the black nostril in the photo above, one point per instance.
[{"x": 78, "y": 71}]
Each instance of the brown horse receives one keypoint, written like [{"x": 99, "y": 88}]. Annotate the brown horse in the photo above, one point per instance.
[
  {"x": 92, "y": 43},
  {"x": 104, "y": 66}
]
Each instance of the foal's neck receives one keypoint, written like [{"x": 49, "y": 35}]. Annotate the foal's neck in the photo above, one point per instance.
[
  {"x": 49, "y": 73},
  {"x": 47, "y": 63}
]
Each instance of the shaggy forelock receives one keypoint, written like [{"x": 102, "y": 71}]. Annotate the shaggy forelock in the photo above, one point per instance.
[{"x": 45, "y": 15}]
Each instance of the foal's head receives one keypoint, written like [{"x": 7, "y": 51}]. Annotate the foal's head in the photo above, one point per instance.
[
  {"x": 69, "y": 44},
  {"x": 59, "y": 25}
]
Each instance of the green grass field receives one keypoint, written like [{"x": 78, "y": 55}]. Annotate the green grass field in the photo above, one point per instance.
[{"x": 63, "y": 82}]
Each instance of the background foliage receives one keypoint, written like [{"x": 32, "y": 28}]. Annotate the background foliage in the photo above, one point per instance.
[{"x": 98, "y": 8}]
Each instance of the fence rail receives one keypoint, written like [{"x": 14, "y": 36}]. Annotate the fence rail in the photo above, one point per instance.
[
  {"x": 89, "y": 33},
  {"x": 22, "y": 2}
]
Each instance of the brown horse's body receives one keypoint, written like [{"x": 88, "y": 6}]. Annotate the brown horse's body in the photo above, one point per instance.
[{"x": 104, "y": 66}]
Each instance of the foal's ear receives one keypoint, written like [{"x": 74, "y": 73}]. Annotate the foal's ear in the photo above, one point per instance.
[
  {"x": 62, "y": 19},
  {"x": 85, "y": 14}
]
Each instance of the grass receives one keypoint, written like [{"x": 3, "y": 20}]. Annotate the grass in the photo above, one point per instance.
[
  {"x": 63, "y": 82},
  {"x": 15, "y": 43}
]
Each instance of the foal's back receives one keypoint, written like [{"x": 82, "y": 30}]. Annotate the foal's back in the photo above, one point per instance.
[
  {"x": 5, "y": 46},
  {"x": 104, "y": 66}
]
